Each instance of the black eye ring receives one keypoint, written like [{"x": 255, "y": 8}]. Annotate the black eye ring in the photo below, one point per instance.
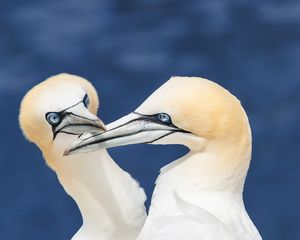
[
  {"x": 53, "y": 118},
  {"x": 86, "y": 101},
  {"x": 165, "y": 118}
]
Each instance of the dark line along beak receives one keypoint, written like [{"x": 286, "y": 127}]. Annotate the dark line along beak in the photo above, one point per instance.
[
  {"x": 77, "y": 120},
  {"x": 132, "y": 129}
]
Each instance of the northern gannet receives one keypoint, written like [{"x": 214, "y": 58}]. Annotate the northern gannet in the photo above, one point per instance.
[
  {"x": 52, "y": 115},
  {"x": 199, "y": 196}
]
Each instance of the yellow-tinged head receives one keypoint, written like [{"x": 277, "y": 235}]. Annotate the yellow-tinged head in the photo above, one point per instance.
[
  {"x": 201, "y": 107},
  {"x": 53, "y": 112},
  {"x": 186, "y": 110}
]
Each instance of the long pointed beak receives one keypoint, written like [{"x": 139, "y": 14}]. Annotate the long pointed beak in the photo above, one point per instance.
[
  {"x": 77, "y": 120},
  {"x": 132, "y": 129}
]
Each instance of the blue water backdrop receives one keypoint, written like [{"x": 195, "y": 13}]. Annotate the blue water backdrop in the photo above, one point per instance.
[{"x": 128, "y": 49}]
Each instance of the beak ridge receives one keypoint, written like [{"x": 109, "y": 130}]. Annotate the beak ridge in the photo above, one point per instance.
[
  {"x": 78, "y": 120},
  {"x": 131, "y": 129}
]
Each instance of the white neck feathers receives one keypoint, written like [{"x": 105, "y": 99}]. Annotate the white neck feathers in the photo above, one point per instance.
[{"x": 110, "y": 201}]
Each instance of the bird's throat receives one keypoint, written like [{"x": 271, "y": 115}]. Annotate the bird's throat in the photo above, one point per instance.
[
  {"x": 199, "y": 175},
  {"x": 91, "y": 180}
]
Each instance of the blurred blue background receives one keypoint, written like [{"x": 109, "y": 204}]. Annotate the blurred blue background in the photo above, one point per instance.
[{"x": 128, "y": 49}]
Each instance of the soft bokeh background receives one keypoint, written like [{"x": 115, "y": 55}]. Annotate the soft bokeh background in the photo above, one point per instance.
[{"x": 128, "y": 49}]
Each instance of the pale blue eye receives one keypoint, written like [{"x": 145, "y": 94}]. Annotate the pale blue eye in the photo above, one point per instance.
[
  {"x": 165, "y": 118},
  {"x": 53, "y": 118},
  {"x": 86, "y": 101}
]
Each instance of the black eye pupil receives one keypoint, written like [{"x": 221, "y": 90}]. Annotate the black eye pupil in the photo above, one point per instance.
[
  {"x": 53, "y": 118},
  {"x": 165, "y": 118}
]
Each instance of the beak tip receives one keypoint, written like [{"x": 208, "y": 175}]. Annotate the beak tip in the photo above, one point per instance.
[
  {"x": 101, "y": 125},
  {"x": 66, "y": 153},
  {"x": 78, "y": 146}
]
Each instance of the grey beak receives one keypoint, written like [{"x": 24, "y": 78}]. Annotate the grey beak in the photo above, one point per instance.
[
  {"x": 76, "y": 121},
  {"x": 131, "y": 129}
]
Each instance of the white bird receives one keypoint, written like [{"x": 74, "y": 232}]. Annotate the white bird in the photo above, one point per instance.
[
  {"x": 52, "y": 115},
  {"x": 199, "y": 196}
]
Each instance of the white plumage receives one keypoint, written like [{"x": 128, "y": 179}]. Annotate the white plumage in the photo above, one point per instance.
[
  {"x": 198, "y": 196},
  {"x": 52, "y": 116}
]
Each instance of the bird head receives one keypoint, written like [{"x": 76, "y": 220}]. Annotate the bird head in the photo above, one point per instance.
[
  {"x": 191, "y": 111},
  {"x": 57, "y": 110}
]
